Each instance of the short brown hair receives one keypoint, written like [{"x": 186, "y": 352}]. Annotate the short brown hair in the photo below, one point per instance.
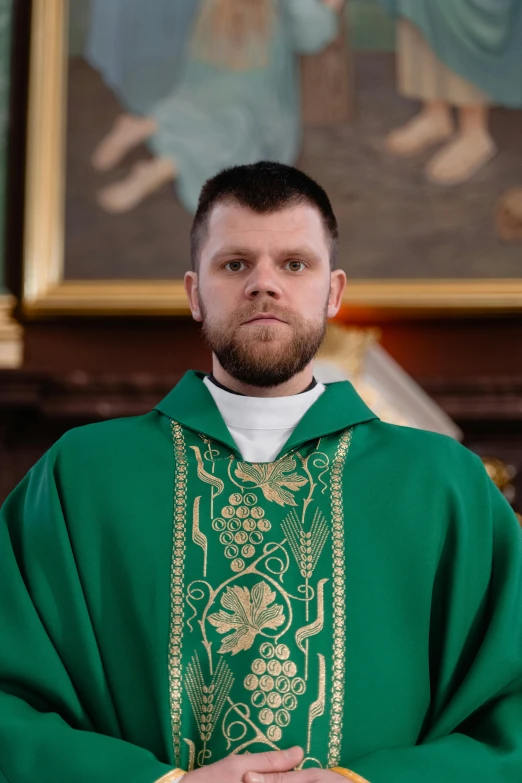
[{"x": 263, "y": 187}]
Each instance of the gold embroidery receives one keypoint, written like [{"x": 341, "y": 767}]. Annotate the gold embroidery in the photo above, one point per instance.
[
  {"x": 347, "y": 773},
  {"x": 245, "y": 720},
  {"x": 312, "y": 628},
  {"x": 317, "y": 707},
  {"x": 241, "y": 527},
  {"x": 208, "y": 478},
  {"x": 197, "y": 593},
  {"x": 177, "y": 567},
  {"x": 251, "y": 614},
  {"x": 339, "y": 598},
  {"x": 275, "y": 686},
  {"x": 197, "y": 536},
  {"x": 210, "y": 453},
  {"x": 270, "y": 478},
  {"x": 321, "y": 460},
  {"x": 207, "y": 700},
  {"x": 275, "y": 682},
  {"x": 192, "y": 754},
  {"x": 317, "y": 763},
  {"x": 172, "y": 776},
  {"x": 306, "y": 546}
]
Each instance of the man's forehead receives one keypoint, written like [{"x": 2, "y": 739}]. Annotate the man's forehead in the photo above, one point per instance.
[{"x": 229, "y": 218}]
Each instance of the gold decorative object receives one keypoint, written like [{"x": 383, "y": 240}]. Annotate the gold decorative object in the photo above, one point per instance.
[
  {"x": 11, "y": 335},
  {"x": 502, "y": 476},
  {"x": 500, "y": 473},
  {"x": 348, "y": 346},
  {"x": 355, "y": 354}
]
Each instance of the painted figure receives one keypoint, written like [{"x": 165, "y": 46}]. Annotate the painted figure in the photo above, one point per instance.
[
  {"x": 139, "y": 48},
  {"x": 508, "y": 215},
  {"x": 463, "y": 54},
  {"x": 237, "y": 100}
]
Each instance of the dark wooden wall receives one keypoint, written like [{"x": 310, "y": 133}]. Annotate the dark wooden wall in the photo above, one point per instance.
[{"x": 79, "y": 371}]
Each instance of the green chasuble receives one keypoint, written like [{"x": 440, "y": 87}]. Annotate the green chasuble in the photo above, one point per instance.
[{"x": 164, "y": 603}]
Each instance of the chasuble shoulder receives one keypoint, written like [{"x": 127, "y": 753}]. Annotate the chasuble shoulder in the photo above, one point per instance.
[{"x": 167, "y": 603}]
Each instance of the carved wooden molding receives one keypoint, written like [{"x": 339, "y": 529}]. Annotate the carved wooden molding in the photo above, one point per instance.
[
  {"x": 478, "y": 399},
  {"x": 107, "y": 395}
]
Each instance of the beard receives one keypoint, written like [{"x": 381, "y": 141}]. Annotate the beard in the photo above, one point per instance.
[{"x": 264, "y": 355}]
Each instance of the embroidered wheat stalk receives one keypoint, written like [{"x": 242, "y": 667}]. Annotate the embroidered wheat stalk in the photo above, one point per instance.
[
  {"x": 306, "y": 546},
  {"x": 207, "y": 700}
]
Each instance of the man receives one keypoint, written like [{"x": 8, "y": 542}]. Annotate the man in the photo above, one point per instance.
[{"x": 259, "y": 580}]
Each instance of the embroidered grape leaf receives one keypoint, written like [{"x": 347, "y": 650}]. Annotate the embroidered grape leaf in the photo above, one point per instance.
[
  {"x": 271, "y": 477},
  {"x": 250, "y": 613}
]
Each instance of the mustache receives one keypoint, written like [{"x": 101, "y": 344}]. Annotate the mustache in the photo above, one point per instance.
[{"x": 245, "y": 313}]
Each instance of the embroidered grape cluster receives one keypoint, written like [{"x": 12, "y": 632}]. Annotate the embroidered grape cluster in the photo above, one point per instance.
[
  {"x": 241, "y": 527},
  {"x": 275, "y": 687}
]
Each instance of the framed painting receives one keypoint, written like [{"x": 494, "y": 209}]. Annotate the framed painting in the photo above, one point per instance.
[{"x": 133, "y": 105}]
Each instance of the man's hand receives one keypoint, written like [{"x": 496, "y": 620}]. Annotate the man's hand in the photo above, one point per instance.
[
  {"x": 336, "y": 5},
  {"x": 309, "y": 775},
  {"x": 231, "y": 769}
]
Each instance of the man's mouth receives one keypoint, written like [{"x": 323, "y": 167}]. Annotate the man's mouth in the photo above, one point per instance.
[{"x": 265, "y": 318}]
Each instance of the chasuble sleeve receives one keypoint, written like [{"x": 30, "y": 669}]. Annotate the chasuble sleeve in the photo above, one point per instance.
[
  {"x": 57, "y": 721},
  {"x": 474, "y": 728}
]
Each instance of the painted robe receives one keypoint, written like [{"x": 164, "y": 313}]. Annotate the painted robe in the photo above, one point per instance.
[
  {"x": 219, "y": 117},
  {"x": 139, "y": 47},
  {"x": 165, "y": 603},
  {"x": 481, "y": 40}
]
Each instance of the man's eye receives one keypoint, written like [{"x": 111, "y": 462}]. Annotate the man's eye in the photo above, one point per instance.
[
  {"x": 233, "y": 266},
  {"x": 296, "y": 266}
]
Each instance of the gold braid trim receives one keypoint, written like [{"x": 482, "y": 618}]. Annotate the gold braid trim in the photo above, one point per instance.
[
  {"x": 170, "y": 777},
  {"x": 353, "y": 776}
]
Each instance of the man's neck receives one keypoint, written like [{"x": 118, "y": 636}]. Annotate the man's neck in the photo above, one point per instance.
[{"x": 296, "y": 385}]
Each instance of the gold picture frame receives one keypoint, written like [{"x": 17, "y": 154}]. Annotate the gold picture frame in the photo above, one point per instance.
[{"x": 47, "y": 293}]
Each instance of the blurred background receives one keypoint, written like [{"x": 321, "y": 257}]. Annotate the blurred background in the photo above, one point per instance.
[{"x": 410, "y": 116}]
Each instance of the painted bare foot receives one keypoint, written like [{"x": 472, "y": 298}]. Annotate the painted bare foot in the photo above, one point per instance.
[
  {"x": 461, "y": 159},
  {"x": 128, "y": 131},
  {"x": 420, "y": 133},
  {"x": 145, "y": 178},
  {"x": 509, "y": 215}
]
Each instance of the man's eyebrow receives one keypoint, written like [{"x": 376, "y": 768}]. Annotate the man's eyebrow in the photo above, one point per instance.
[
  {"x": 301, "y": 250},
  {"x": 232, "y": 250},
  {"x": 235, "y": 250}
]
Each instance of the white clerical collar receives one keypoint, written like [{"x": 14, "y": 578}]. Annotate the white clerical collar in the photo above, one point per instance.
[{"x": 262, "y": 413}]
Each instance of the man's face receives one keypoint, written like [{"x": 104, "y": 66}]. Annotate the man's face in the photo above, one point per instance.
[{"x": 257, "y": 265}]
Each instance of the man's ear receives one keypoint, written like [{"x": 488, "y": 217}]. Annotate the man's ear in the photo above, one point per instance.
[
  {"x": 337, "y": 286},
  {"x": 191, "y": 289}
]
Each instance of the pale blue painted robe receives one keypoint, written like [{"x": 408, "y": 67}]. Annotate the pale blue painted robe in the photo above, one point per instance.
[
  {"x": 218, "y": 117},
  {"x": 138, "y": 47}
]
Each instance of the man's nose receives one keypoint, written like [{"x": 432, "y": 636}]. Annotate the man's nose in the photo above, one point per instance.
[{"x": 263, "y": 280}]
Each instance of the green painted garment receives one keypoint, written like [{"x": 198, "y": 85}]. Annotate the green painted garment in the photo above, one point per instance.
[
  {"x": 481, "y": 40},
  {"x": 165, "y": 603}
]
